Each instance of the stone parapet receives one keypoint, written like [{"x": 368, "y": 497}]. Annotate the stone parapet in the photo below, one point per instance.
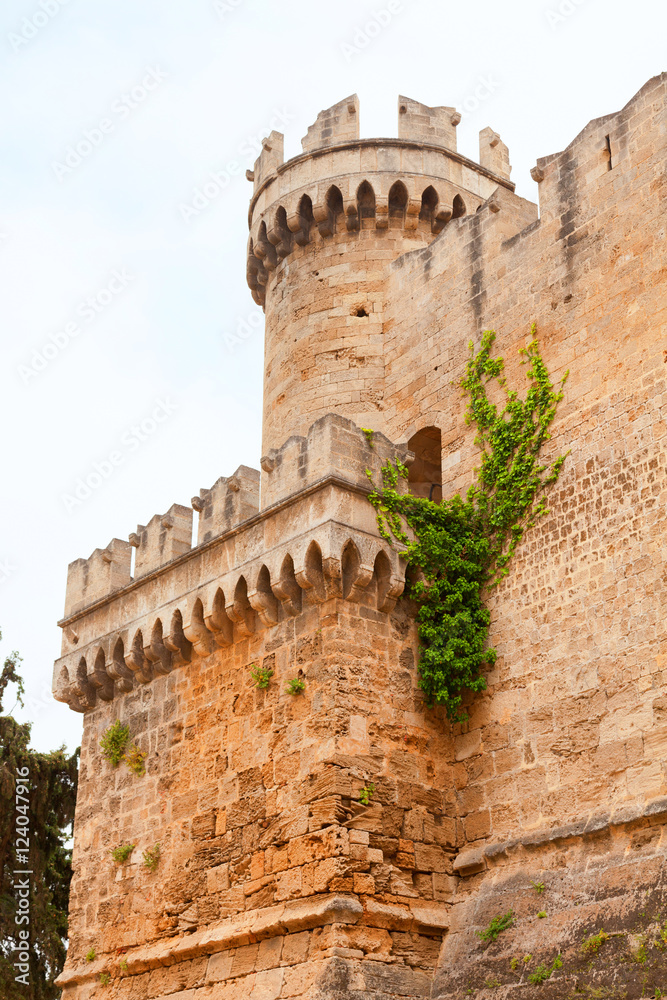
[{"x": 317, "y": 536}]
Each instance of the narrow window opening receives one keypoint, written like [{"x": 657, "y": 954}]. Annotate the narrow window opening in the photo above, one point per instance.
[
  {"x": 458, "y": 207},
  {"x": 429, "y": 204},
  {"x": 608, "y": 144},
  {"x": 425, "y": 473}
]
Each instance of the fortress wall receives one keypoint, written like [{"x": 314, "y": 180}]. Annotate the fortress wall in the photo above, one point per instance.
[
  {"x": 324, "y": 228},
  {"x": 320, "y": 356},
  {"x": 276, "y": 881},
  {"x": 253, "y": 797},
  {"x": 274, "y": 875},
  {"x": 573, "y": 727}
]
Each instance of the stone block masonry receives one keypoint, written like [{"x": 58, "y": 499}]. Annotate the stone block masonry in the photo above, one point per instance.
[{"x": 347, "y": 841}]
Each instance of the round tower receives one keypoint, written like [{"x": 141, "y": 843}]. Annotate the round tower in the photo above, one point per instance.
[{"x": 324, "y": 228}]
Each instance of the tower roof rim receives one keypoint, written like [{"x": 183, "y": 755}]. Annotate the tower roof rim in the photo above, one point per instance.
[{"x": 390, "y": 141}]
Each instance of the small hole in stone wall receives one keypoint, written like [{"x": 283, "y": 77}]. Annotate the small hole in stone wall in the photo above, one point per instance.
[
  {"x": 568, "y": 298},
  {"x": 361, "y": 311}
]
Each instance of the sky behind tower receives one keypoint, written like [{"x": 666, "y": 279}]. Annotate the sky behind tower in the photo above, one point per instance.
[{"x": 128, "y": 329}]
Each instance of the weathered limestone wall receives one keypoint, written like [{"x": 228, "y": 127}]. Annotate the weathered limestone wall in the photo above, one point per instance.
[
  {"x": 270, "y": 865},
  {"x": 324, "y": 228},
  {"x": 572, "y": 728},
  {"x": 275, "y": 880}
]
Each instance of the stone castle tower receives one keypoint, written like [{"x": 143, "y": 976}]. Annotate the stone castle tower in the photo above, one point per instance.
[{"x": 377, "y": 261}]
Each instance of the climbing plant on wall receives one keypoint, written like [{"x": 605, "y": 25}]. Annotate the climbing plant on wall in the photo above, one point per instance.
[{"x": 461, "y": 547}]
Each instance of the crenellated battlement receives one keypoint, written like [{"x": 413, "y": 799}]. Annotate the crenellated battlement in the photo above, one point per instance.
[
  {"x": 339, "y": 182},
  {"x": 433, "y": 126},
  {"x": 322, "y": 830},
  {"x": 165, "y": 537},
  {"x": 339, "y": 123},
  {"x": 229, "y": 501},
  {"x": 103, "y": 572},
  {"x": 324, "y": 229},
  {"x": 249, "y": 570}
]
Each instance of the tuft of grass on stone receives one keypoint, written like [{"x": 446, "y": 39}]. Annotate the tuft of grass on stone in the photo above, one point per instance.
[
  {"x": 498, "y": 924},
  {"x": 366, "y": 794},
  {"x": 121, "y": 853},
  {"x": 592, "y": 944},
  {"x": 544, "y": 972},
  {"x": 113, "y": 742},
  {"x": 134, "y": 759},
  {"x": 261, "y": 676},
  {"x": 296, "y": 686},
  {"x": 151, "y": 857}
]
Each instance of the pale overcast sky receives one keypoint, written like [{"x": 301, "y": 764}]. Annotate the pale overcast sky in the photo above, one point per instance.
[{"x": 100, "y": 256}]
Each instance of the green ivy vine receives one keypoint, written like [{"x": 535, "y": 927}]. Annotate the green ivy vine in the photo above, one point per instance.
[{"x": 463, "y": 545}]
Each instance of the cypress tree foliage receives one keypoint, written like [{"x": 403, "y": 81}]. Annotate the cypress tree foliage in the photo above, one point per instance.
[{"x": 51, "y": 780}]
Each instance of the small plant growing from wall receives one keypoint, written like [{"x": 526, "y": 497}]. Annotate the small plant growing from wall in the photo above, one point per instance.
[
  {"x": 544, "y": 972},
  {"x": 462, "y": 546},
  {"x": 538, "y": 887},
  {"x": 369, "y": 435},
  {"x": 498, "y": 924},
  {"x": 592, "y": 944},
  {"x": 134, "y": 759},
  {"x": 367, "y": 793},
  {"x": 542, "y": 914},
  {"x": 121, "y": 853},
  {"x": 151, "y": 857},
  {"x": 261, "y": 676},
  {"x": 297, "y": 685},
  {"x": 123, "y": 966},
  {"x": 113, "y": 742},
  {"x": 105, "y": 978},
  {"x": 114, "y": 746},
  {"x": 90, "y": 956}
]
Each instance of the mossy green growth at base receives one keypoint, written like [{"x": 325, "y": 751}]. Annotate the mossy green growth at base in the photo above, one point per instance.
[{"x": 463, "y": 545}]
